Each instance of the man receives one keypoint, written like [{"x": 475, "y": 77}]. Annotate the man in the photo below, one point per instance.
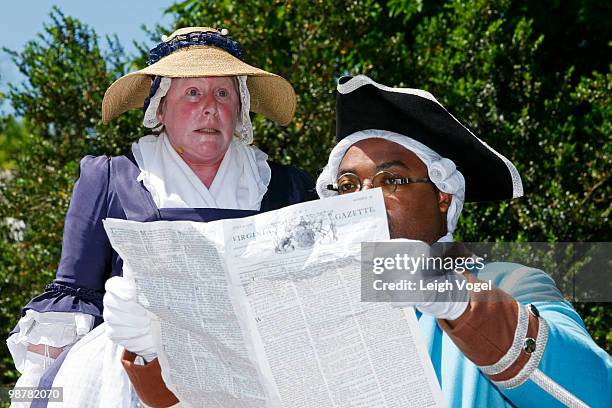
[
  {"x": 484, "y": 353},
  {"x": 499, "y": 353}
]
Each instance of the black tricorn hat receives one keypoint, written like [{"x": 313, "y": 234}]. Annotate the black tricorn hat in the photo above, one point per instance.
[{"x": 363, "y": 104}]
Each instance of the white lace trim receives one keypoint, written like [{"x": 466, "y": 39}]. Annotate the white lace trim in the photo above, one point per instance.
[
  {"x": 150, "y": 117},
  {"x": 361, "y": 80},
  {"x": 534, "y": 359},
  {"x": 552, "y": 388},
  {"x": 55, "y": 329},
  {"x": 517, "y": 345},
  {"x": 244, "y": 127},
  {"x": 533, "y": 373}
]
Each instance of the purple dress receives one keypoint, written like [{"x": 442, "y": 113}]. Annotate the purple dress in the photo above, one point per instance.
[{"x": 108, "y": 188}]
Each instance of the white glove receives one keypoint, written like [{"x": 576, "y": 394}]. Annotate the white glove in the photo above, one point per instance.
[
  {"x": 448, "y": 304},
  {"x": 128, "y": 323},
  {"x": 440, "y": 309}
]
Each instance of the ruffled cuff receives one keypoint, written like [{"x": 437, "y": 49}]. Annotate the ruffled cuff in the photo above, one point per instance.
[
  {"x": 60, "y": 297},
  {"x": 57, "y": 317},
  {"x": 55, "y": 329},
  {"x": 498, "y": 334}
]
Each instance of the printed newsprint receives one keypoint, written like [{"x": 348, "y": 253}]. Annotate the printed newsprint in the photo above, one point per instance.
[{"x": 265, "y": 311}]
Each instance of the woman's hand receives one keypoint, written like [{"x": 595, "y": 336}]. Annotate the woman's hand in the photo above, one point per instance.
[{"x": 128, "y": 323}]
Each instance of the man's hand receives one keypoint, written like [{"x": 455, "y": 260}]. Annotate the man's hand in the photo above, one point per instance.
[
  {"x": 128, "y": 323},
  {"x": 448, "y": 304}
]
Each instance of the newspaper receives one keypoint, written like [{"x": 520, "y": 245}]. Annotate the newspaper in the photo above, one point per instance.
[{"x": 265, "y": 311}]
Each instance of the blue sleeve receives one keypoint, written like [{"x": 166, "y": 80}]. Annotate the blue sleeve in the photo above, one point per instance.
[
  {"x": 571, "y": 359},
  {"x": 302, "y": 186},
  {"x": 288, "y": 185},
  {"x": 86, "y": 257}
]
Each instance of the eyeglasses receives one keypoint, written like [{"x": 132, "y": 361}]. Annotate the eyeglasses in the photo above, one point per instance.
[{"x": 350, "y": 183}]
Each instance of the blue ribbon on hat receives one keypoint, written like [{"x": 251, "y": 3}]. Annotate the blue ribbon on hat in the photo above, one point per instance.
[{"x": 212, "y": 38}]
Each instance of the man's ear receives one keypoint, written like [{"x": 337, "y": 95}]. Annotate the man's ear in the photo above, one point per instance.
[{"x": 444, "y": 200}]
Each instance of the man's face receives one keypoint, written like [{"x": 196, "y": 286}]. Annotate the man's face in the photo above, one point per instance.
[{"x": 414, "y": 211}]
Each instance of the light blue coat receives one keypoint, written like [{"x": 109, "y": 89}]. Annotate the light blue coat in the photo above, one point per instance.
[{"x": 571, "y": 358}]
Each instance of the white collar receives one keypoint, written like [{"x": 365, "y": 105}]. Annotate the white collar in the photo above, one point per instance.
[{"x": 240, "y": 183}]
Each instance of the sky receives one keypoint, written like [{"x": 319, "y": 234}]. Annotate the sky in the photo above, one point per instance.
[{"x": 21, "y": 20}]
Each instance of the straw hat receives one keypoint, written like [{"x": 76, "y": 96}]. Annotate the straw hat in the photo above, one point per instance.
[{"x": 201, "y": 52}]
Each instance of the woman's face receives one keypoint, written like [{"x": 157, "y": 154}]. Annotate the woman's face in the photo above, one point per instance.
[{"x": 199, "y": 115}]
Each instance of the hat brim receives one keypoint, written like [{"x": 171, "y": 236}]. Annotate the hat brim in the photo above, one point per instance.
[
  {"x": 271, "y": 95},
  {"x": 364, "y": 104}
]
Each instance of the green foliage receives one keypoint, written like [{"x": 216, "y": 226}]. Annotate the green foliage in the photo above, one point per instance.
[
  {"x": 532, "y": 79},
  {"x": 485, "y": 63},
  {"x": 598, "y": 320},
  {"x": 60, "y": 106},
  {"x": 405, "y": 8},
  {"x": 308, "y": 45},
  {"x": 12, "y": 135}
]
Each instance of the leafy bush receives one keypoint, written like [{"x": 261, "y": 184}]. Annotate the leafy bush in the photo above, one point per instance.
[{"x": 534, "y": 87}]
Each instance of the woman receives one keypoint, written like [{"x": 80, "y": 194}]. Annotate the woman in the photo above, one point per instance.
[{"x": 198, "y": 165}]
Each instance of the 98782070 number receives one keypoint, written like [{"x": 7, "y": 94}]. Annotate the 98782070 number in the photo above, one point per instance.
[{"x": 27, "y": 394}]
